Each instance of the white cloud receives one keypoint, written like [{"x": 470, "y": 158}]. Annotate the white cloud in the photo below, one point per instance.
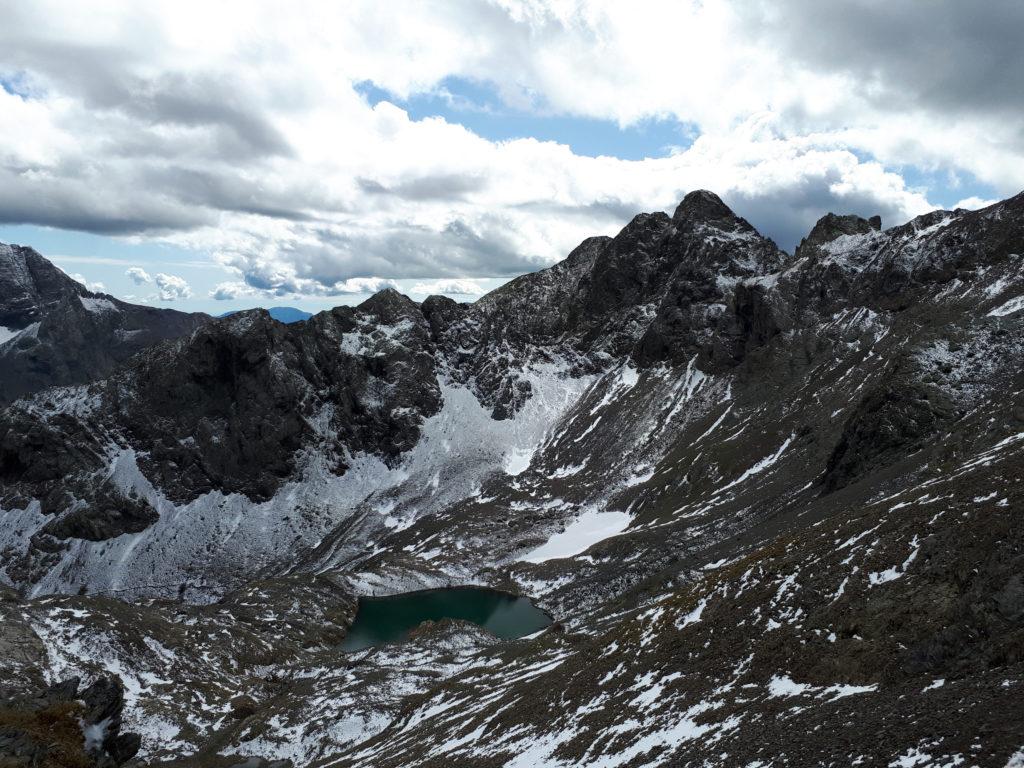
[
  {"x": 231, "y": 291},
  {"x": 172, "y": 287},
  {"x": 94, "y": 286},
  {"x": 97, "y": 260},
  {"x": 176, "y": 123},
  {"x": 138, "y": 275},
  {"x": 287, "y": 285},
  {"x": 974, "y": 202},
  {"x": 457, "y": 287}
]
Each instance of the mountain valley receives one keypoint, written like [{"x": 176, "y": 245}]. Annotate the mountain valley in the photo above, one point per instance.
[{"x": 771, "y": 502}]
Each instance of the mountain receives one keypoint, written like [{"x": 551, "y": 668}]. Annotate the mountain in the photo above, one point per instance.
[
  {"x": 774, "y": 503},
  {"x": 55, "y": 332},
  {"x": 281, "y": 314}
]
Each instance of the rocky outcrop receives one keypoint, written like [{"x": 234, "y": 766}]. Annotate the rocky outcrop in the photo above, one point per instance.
[
  {"x": 657, "y": 292},
  {"x": 830, "y": 227},
  {"x": 30, "y": 286},
  {"x": 66, "y": 727},
  {"x": 226, "y": 409},
  {"x": 230, "y": 407},
  {"x": 893, "y": 420}
]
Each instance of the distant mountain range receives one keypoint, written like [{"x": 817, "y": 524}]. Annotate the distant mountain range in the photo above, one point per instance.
[
  {"x": 774, "y": 501},
  {"x": 281, "y": 314},
  {"x": 53, "y": 331}
]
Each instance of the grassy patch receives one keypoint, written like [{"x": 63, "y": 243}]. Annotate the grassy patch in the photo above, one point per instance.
[{"x": 55, "y": 730}]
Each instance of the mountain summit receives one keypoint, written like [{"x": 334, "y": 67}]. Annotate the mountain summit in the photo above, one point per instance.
[
  {"x": 702, "y": 205},
  {"x": 53, "y": 331},
  {"x": 30, "y": 286}
]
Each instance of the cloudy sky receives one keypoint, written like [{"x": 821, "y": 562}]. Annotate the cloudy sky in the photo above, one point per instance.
[{"x": 220, "y": 155}]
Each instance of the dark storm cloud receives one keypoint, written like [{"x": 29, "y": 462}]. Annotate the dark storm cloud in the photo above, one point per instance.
[
  {"x": 227, "y": 192},
  {"x": 786, "y": 214},
  {"x": 202, "y": 101},
  {"x": 408, "y": 250},
  {"x": 68, "y": 203},
  {"x": 400, "y": 251},
  {"x": 608, "y": 209},
  {"x": 170, "y": 149},
  {"x": 147, "y": 141},
  {"x": 121, "y": 198},
  {"x": 947, "y": 56}
]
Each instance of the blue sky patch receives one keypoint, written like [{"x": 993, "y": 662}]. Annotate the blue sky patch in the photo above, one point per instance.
[
  {"x": 479, "y": 108},
  {"x": 16, "y": 84},
  {"x": 944, "y": 188}
]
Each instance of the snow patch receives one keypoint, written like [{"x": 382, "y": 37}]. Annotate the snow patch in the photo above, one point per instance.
[
  {"x": 554, "y": 392},
  {"x": 586, "y": 530},
  {"x": 1008, "y": 308},
  {"x": 567, "y": 471},
  {"x": 517, "y": 460},
  {"x": 27, "y": 331},
  {"x": 782, "y": 685},
  {"x": 1016, "y": 759},
  {"x": 458, "y": 448},
  {"x": 98, "y": 305},
  {"x": 639, "y": 477},
  {"x": 891, "y": 574},
  {"x": 693, "y": 616}
]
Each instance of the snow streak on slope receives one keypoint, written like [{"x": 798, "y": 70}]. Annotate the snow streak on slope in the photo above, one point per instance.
[
  {"x": 243, "y": 538},
  {"x": 1008, "y": 308}
]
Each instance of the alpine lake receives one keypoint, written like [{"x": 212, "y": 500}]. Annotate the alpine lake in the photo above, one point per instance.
[{"x": 391, "y": 619}]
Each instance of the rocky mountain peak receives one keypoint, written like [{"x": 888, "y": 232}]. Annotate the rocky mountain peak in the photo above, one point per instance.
[
  {"x": 702, "y": 205},
  {"x": 389, "y": 306},
  {"x": 247, "y": 335},
  {"x": 57, "y": 332},
  {"x": 640, "y": 233},
  {"x": 585, "y": 252},
  {"x": 832, "y": 226},
  {"x": 759, "y": 496},
  {"x": 29, "y": 284}
]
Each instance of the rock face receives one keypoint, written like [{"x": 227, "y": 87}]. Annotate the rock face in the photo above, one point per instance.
[
  {"x": 53, "y": 331},
  {"x": 893, "y": 419},
  {"x": 227, "y": 410},
  {"x": 774, "y": 503},
  {"x": 831, "y": 227},
  {"x": 30, "y": 286}
]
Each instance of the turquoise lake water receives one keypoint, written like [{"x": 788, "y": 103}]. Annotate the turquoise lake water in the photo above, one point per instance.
[{"x": 381, "y": 620}]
